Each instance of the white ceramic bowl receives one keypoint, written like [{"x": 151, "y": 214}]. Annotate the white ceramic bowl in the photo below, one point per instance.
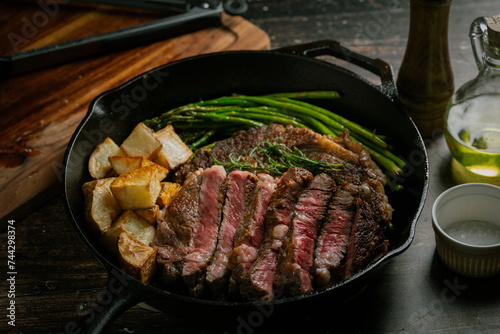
[{"x": 471, "y": 202}]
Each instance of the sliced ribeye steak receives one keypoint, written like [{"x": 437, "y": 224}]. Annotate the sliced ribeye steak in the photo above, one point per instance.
[
  {"x": 241, "y": 185},
  {"x": 367, "y": 242},
  {"x": 250, "y": 232},
  {"x": 333, "y": 239},
  {"x": 258, "y": 283},
  {"x": 296, "y": 256},
  {"x": 175, "y": 226},
  {"x": 260, "y": 236},
  {"x": 204, "y": 240}
]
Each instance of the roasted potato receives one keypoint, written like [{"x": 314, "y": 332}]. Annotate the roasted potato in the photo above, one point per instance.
[
  {"x": 142, "y": 141},
  {"x": 99, "y": 165},
  {"x": 131, "y": 223},
  {"x": 127, "y": 193},
  {"x": 138, "y": 189},
  {"x": 173, "y": 151},
  {"x": 149, "y": 215},
  {"x": 168, "y": 190},
  {"x": 101, "y": 207},
  {"x": 123, "y": 164},
  {"x": 138, "y": 259}
]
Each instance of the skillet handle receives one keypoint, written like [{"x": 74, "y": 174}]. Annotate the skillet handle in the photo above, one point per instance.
[
  {"x": 333, "y": 48},
  {"x": 121, "y": 293}
]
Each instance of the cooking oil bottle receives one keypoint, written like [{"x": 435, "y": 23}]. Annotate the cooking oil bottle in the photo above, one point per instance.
[{"x": 472, "y": 117}]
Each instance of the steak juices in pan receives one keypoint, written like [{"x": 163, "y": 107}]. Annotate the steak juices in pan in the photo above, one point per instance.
[{"x": 238, "y": 229}]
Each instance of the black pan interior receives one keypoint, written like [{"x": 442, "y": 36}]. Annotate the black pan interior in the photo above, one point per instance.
[{"x": 115, "y": 113}]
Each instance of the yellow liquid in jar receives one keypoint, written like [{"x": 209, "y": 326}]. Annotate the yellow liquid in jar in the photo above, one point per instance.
[{"x": 472, "y": 132}]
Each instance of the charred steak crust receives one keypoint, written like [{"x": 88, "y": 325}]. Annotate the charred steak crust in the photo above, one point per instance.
[
  {"x": 259, "y": 281},
  {"x": 295, "y": 258},
  {"x": 175, "y": 227},
  {"x": 243, "y": 142},
  {"x": 367, "y": 242}
]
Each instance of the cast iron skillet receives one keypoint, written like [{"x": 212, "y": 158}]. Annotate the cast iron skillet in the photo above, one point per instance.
[{"x": 115, "y": 113}]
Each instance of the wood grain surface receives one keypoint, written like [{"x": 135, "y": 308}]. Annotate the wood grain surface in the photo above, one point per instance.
[
  {"x": 40, "y": 110},
  {"x": 59, "y": 281}
]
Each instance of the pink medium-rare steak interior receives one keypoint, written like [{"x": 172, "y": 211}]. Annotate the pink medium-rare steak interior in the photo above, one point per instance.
[{"x": 241, "y": 185}]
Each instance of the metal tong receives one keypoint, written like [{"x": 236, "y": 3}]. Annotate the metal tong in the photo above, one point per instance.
[{"x": 194, "y": 15}]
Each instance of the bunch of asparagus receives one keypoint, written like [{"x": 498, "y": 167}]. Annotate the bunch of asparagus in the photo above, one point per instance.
[{"x": 207, "y": 120}]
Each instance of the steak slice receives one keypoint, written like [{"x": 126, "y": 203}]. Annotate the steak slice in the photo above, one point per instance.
[
  {"x": 175, "y": 228},
  {"x": 296, "y": 255},
  {"x": 333, "y": 239},
  {"x": 367, "y": 242},
  {"x": 240, "y": 186},
  {"x": 258, "y": 283},
  {"x": 204, "y": 239},
  {"x": 250, "y": 231}
]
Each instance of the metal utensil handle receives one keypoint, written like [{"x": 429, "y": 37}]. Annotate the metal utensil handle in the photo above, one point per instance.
[
  {"x": 333, "y": 48},
  {"x": 121, "y": 39}
]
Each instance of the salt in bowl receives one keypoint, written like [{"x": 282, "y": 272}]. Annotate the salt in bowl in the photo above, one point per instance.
[{"x": 466, "y": 222}]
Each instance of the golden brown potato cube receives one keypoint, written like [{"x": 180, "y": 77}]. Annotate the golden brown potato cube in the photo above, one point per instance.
[
  {"x": 123, "y": 164},
  {"x": 99, "y": 165},
  {"x": 168, "y": 190},
  {"x": 142, "y": 141},
  {"x": 149, "y": 215},
  {"x": 128, "y": 222},
  {"x": 87, "y": 185},
  {"x": 138, "y": 189},
  {"x": 101, "y": 207},
  {"x": 138, "y": 258},
  {"x": 174, "y": 151}
]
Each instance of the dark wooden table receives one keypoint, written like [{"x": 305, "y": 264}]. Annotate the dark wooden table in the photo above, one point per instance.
[{"x": 58, "y": 281}]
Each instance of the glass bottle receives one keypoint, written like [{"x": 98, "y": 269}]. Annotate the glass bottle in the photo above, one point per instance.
[{"x": 472, "y": 118}]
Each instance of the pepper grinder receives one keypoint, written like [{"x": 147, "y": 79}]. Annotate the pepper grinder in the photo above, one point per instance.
[{"x": 425, "y": 79}]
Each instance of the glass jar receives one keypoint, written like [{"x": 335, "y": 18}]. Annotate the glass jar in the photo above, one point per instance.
[{"x": 472, "y": 117}]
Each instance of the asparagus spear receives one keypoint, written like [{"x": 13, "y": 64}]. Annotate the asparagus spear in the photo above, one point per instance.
[
  {"x": 202, "y": 140},
  {"x": 353, "y": 127},
  {"x": 318, "y": 94},
  {"x": 266, "y": 118}
]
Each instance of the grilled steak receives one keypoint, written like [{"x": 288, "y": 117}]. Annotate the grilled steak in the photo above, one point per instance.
[
  {"x": 258, "y": 283},
  {"x": 367, "y": 242},
  {"x": 243, "y": 142},
  {"x": 204, "y": 239},
  {"x": 360, "y": 173},
  {"x": 175, "y": 226},
  {"x": 333, "y": 239},
  {"x": 250, "y": 231},
  {"x": 295, "y": 258},
  {"x": 241, "y": 185},
  {"x": 249, "y": 235}
]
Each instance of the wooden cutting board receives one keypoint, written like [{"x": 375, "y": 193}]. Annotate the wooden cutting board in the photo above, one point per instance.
[{"x": 41, "y": 110}]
